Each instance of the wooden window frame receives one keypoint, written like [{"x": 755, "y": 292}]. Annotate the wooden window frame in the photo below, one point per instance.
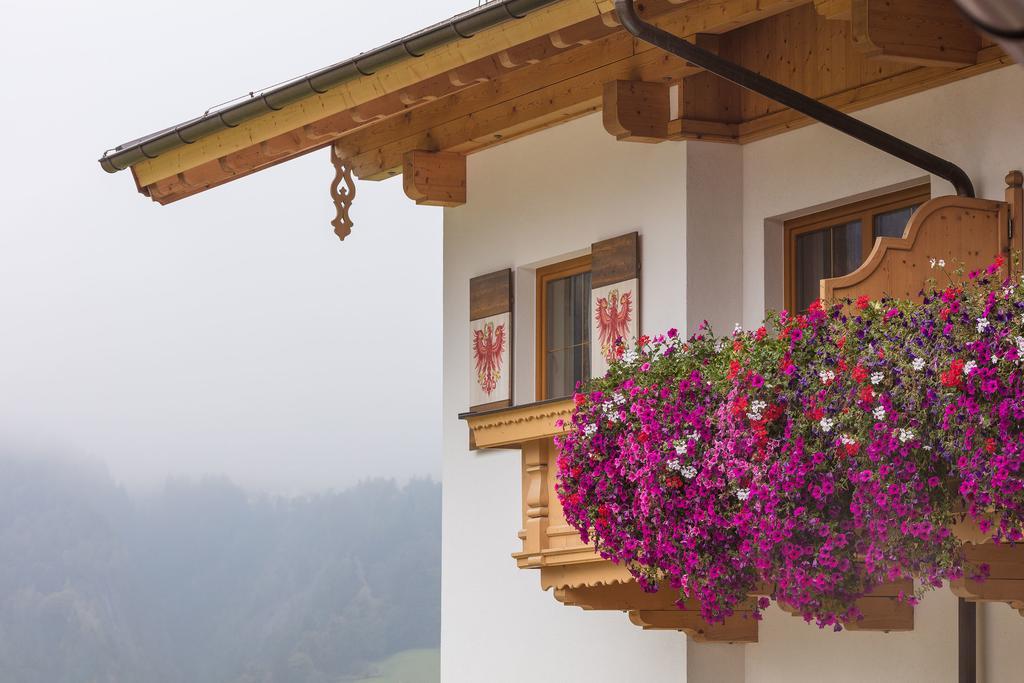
[
  {"x": 555, "y": 271},
  {"x": 864, "y": 211}
]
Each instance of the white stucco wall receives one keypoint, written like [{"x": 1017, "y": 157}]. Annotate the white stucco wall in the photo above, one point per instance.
[
  {"x": 710, "y": 222},
  {"x": 535, "y": 201}
]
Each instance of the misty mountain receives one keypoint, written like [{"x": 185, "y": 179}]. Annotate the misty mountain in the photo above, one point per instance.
[{"x": 203, "y": 583}]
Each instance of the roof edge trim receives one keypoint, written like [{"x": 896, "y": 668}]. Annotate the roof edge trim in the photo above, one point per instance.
[{"x": 460, "y": 27}]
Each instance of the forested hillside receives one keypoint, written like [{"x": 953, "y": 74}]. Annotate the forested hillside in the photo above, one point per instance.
[{"x": 202, "y": 583}]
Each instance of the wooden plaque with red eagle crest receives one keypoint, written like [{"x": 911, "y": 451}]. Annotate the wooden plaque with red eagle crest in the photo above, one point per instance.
[
  {"x": 614, "y": 299},
  {"x": 490, "y": 332}
]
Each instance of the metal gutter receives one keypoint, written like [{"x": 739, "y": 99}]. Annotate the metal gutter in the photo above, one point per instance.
[
  {"x": 459, "y": 27},
  {"x": 755, "y": 82}
]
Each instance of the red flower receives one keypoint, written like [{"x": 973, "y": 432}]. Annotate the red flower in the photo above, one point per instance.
[
  {"x": 579, "y": 399},
  {"x": 862, "y": 302},
  {"x": 761, "y": 333},
  {"x": 867, "y": 394},
  {"x": 954, "y": 377},
  {"x": 734, "y": 369},
  {"x": 860, "y": 374}
]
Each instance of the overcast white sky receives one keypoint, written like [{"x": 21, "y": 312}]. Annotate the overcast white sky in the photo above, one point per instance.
[{"x": 231, "y": 333}]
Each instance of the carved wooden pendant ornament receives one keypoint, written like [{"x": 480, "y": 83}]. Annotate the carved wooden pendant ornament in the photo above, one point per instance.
[{"x": 343, "y": 192}]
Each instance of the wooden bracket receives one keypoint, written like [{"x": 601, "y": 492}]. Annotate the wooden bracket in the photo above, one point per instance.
[
  {"x": 434, "y": 178},
  {"x": 1005, "y": 582},
  {"x": 925, "y": 32},
  {"x": 637, "y": 111},
  {"x": 740, "y": 628},
  {"x": 343, "y": 193}
]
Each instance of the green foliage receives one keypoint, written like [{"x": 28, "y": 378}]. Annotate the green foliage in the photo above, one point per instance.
[{"x": 202, "y": 583}]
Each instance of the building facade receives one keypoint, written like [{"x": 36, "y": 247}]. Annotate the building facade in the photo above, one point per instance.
[{"x": 532, "y": 121}]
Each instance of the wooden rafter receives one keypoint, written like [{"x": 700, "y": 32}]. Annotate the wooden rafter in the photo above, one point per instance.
[
  {"x": 185, "y": 172},
  {"x": 556, "y": 69}
]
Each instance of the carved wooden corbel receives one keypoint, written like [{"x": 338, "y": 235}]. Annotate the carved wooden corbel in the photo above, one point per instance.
[{"x": 343, "y": 192}]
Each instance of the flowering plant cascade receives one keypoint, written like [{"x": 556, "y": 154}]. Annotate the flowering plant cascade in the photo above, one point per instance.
[{"x": 812, "y": 459}]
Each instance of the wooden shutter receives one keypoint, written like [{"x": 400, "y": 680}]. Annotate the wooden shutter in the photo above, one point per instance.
[
  {"x": 490, "y": 337},
  {"x": 614, "y": 298}
]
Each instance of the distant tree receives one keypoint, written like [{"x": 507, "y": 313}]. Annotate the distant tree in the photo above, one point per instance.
[{"x": 202, "y": 583}]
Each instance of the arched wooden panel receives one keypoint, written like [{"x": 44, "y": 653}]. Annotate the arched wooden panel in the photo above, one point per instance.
[{"x": 958, "y": 230}]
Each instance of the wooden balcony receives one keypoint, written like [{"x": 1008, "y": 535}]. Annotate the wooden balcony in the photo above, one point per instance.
[{"x": 969, "y": 231}]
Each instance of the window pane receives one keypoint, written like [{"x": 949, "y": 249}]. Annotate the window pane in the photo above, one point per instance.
[
  {"x": 847, "y": 249},
  {"x": 825, "y": 253},
  {"x": 567, "y": 339},
  {"x": 813, "y": 264},
  {"x": 892, "y": 223}
]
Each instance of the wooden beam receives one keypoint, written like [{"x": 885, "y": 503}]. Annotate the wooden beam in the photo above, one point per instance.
[
  {"x": 870, "y": 94},
  {"x": 555, "y": 103},
  {"x": 739, "y": 628},
  {"x": 435, "y": 178},
  {"x": 924, "y": 32},
  {"x": 404, "y": 94},
  {"x": 636, "y": 111},
  {"x": 320, "y": 133},
  {"x": 388, "y": 79}
]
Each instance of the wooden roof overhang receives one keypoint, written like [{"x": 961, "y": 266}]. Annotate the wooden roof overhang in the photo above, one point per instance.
[{"x": 572, "y": 58}]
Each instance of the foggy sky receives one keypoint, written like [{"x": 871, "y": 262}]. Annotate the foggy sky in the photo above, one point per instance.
[{"x": 230, "y": 333}]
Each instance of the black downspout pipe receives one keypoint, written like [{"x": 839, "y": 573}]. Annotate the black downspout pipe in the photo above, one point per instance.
[
  {"x": 967, "y": 627},
  {"x": 755, "y": 82},
  {"x": 967, "y": 641}
]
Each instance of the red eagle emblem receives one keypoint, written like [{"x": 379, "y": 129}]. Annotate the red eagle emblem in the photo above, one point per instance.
[
  {"x": 613, "y": 315},
  {"x": 488, "y": 346}
]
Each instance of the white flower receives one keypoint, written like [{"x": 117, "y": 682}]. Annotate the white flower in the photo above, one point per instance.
[
  {"x": 688, "y": 472},
  {"x": 995, "y": 359},
  {"x": 719, "y": 345},
  {"x": 756, "y": 410},
  {"x": 743, "y": 494},
  {"x": 877, "y": 377},
  {"x": 932, "y": 262},
  {"x": 826, "y": 424},
  {"x": 982, "y": 325},
  {"x": 673, "y": 464},
  {"x": 879, "y": 412},
  {"x": 681, "y": 446},
  {"x": 937, "y": 262},
  {"x": 629, "y": 356},
  {"x": 906, "y": 435},
  {"x": 826, "y": 376},
  {"x": 695, "y": 436},
  {"x": 942, "y": 263},
  {"x": 619, "y": 399},
  {"x": 738, "y": 329},
  {"x": 971, "y": 365},
  {"x": 918, "y": 364},
  {"x": 847, "y": 440},
  {"x": 590, "y": 429}
]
